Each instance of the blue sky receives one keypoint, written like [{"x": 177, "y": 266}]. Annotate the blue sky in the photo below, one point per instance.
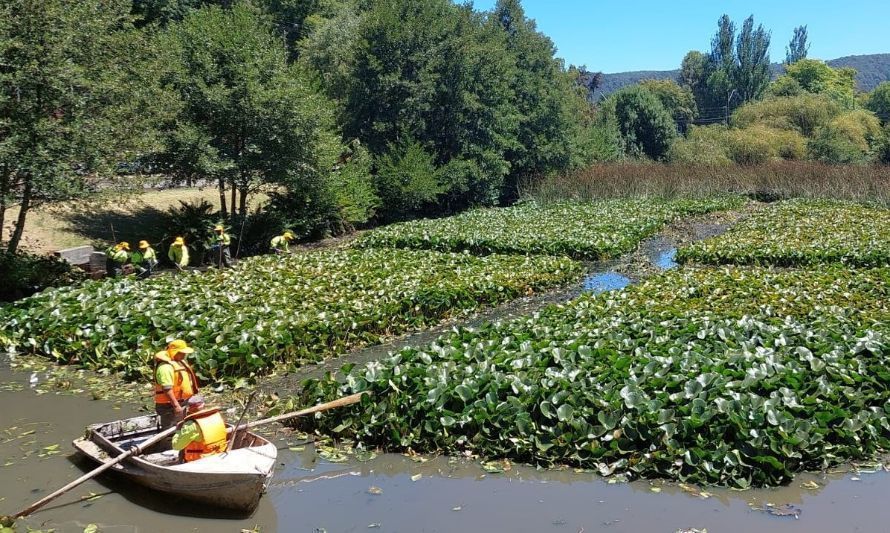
[{"x": 622, "y": 35}]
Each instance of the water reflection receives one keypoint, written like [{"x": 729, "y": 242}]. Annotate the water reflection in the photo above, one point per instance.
[{"x": 605, "y": 281}]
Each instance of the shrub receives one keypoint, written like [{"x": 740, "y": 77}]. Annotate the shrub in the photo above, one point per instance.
[
  {"x": 832, "y": 146},
  {"x": 749, "y": 146},
  {"x": 701, "y": 146},
  {"x": 805, "y": 113},
  {"x": 861, "y": 127},
  {"x": 23, "y": 274},
  {"x": 353, "y": 185},
  {"x": 407, "y": 179},
  {"x": 879, "y": 101}
]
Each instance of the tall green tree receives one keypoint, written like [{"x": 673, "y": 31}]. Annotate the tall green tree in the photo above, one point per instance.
[
  {"x": 798, "y": 48},
  {"x": 694, "y": 76},
  {"x": 879, "y": 102},
  {"x": 247, "y": 116},
  {"x": 677, "y": 100},
  {"x": 71, "y": 103},
  {"x": 547, "y": 105},
  {"x": 438, "y": 75},
  {"x": 751, "y": 73}
]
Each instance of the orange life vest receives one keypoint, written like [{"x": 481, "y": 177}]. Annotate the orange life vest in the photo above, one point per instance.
[
  {"x": 213, "y": 435},
  {"x": 185, "y": 383}
]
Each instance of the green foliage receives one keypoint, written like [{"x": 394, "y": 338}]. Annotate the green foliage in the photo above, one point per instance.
[
  {"x": 72, "y": 99},
  {"x": 247, "y": 116},
  {"x": 694, "y": 75},
  {"x": 193, "y": 222},
  {"x": 713, "y": 376},
  {"x": 353, "y": 184},
  {"x": 679, "y": 101},
  {"x": 816, "y": 77},
  {"x": 408, "y": 179},
  {"x": 801, "y": 232},
  {"x": 594, "y": 230},
  {"x": 23, "y": 274},
  {"x": 798, "y": 48},
  {"x": 806, "y": 113},
  {"x": 879, "y": 102},
  {"x": 785, "y": 86},
  {"x": 703, "y": 145},
  {"x": 646, "y": 127},
  {"x": 268, "y": 309}
]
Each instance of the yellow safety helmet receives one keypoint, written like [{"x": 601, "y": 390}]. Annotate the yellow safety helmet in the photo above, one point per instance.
[
  {"x": 178, "y": 346},
  {"x": 179, "y": 241},
  {"x": 288, "y": 235},
  {"x": 143, "y": 245},
  {"x": 219, "y": 227},
  {"x": 124, "y": 245}
]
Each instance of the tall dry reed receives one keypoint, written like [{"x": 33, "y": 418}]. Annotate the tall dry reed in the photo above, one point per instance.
[{"x": 787, "y": 179}]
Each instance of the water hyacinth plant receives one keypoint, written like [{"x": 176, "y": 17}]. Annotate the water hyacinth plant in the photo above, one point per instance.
[
  {"x": 727, "y": 376},
  {"x": 801, "y": 232},
  {"x": 295, "y": 309},
  {"x": 590, "y": 230}
]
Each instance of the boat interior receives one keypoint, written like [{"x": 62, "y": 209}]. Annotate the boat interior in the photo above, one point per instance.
[{"x": 126, "y": 434}]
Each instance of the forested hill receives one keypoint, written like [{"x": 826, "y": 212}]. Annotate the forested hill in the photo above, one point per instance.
[{"x": 871, "y": 70}]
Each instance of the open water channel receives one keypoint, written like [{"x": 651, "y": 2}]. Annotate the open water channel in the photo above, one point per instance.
[{"x": 395, "y": 493}]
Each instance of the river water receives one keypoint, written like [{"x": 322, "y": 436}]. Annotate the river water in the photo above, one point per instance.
[{"x": 394, "y": 492}]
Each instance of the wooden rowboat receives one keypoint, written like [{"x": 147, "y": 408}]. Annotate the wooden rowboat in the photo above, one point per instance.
[{"x": 233, "y": 480}]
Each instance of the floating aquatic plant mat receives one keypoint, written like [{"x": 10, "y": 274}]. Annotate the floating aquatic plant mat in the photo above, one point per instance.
[
  {"x": 727, "y": 376},
  {"x": 594, "y": 230},
  {"x": 268, "y": 309},
  {"x": 801, "y": 232}
]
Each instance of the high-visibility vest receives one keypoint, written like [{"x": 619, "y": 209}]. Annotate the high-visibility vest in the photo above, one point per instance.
[
  {"x": 280, "y": 243},
  {"x": 213, "y": 435},
  {"x": 185, "y": 383},
  {"x": 118, "y": 255},
  {"x": 222, "y": 239},
  {"x": 179, "y": 255}
]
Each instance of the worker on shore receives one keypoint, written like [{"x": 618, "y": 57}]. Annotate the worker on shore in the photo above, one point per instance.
[
  {"x": 219, "y": 247},
  {"x": 179, "y": 254},
  {"x": 118, "y": 256},
  {"x": 202, "y": 433},
  {"x": 281, "y": 243},
  {"x": 144, "y": 260},
  {"x": 175, "y": 382}
]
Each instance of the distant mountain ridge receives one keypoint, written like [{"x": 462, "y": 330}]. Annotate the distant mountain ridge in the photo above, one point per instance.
[{"x": 871, "y": 70}]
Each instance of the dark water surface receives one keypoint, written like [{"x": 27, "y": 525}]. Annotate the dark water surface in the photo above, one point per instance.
[{"x": 395, "y": 493}]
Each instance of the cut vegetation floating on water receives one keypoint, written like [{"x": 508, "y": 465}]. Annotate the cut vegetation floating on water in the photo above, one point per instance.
[
  {"x": 801, "y": 232},
  {"x": 594, "y": 230},
  {"x": 296, "y": 309},
  {"x": 728, "y": 376}
]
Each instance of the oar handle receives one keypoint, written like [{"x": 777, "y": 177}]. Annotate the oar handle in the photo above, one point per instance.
[
  {"x": 136, "y": 450},
  {"x": 341, "y": 402}
]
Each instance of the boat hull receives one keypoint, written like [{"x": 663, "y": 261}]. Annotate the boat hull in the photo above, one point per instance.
[{"x": 233, "y": 480}]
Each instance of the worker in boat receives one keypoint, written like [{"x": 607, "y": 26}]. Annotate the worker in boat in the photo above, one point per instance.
[
  {"x": 118, "y": 256},
  {"x": 281, "y": 243},
  {"x": 219, "y": 247},
  {"x": 144, "y": 260},
  {"x": 179, "y": 254},
  {"x": 175, "y": 382},
  {"x": 202, "y": 433}
]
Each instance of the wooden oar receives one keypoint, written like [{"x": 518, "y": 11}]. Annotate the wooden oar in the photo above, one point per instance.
[
  {"x": 342, "y": 402},
  {"x": 136, "y": 450}
]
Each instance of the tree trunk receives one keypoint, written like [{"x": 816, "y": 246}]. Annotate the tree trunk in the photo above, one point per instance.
[
  {"x": 2, "y": 219},
  {"x": 242, "y": 201},
  {"x": 222, "y": 196},
  {"x": 4, "y": 194},
  {"x": 234, "y": 198},
  {"x": 20, "y": 222}
]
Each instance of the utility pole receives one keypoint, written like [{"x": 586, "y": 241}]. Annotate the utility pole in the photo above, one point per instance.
[{"x": 729, "y": 99}]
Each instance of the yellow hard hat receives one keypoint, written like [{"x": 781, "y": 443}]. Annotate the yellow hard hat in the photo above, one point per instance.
[
  {"x": 124, "y": 245},
  {"x": 179, "y": 241},
  {"x": 178, "y": 346},
  {"x": 143, "y": 245},
  {"x": 288, "y": 235},
  {"x": 218, "y": 227}
]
